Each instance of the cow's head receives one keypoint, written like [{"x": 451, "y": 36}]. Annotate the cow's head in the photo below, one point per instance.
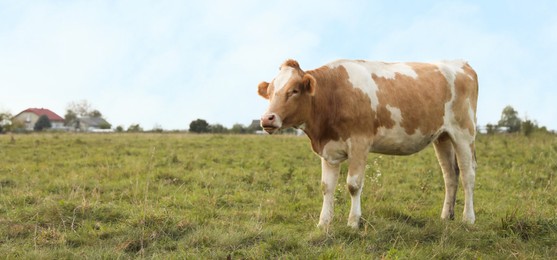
[{"x": 289, "y": 95}]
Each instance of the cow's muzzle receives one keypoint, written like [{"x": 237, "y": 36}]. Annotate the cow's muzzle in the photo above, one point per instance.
[{"x": 271, "y": 123}]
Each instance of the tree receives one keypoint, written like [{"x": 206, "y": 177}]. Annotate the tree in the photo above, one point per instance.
[
  {"x": 238, "y": 129},
  {"x": 135, "y": 128},
  {"x": 42, "y": 123},
  {"x": 5, "y": 123},
  {"x": 528, "y": 127},
  {"x": 80, "y": 108},
  {"x": 69, "y": 117},
  {"x": 510, "y": 119},
  {"x": 157, "y": 128},
  {"x": 105, "y": 125},
  {"x": 95, "y": 113},
  {"x": 491, "y": 129},
  {"x": 254, "y": 127},
  {"x": 218, "y": 129},
  {"x": 199, "y": 126}
]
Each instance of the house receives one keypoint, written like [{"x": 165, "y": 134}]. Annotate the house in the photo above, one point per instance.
[
  {"x": 30, "y": 116},
  {"x": 90, "y": 124}
]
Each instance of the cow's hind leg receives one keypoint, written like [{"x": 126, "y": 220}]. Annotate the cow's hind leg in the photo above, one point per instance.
[
  {"x": 355, "y": 182},
  {"x": 466, "y": 159},
  {"x": 447, "y": 160}
]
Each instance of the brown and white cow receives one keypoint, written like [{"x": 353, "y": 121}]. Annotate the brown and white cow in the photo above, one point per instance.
[{"x": 349, "y": 108}]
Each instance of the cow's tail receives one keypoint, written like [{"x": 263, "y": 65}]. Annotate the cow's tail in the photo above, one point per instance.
[{"x": 456, "y": 168}]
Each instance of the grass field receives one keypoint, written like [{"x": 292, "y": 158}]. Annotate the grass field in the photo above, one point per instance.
[{"x": 210, "y": 196}]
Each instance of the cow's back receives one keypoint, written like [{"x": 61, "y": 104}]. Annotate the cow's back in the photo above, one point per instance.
[{"x": 411, "y": 103}]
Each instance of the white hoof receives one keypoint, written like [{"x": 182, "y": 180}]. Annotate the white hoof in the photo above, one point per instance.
[{"x": 354, "y": 222}]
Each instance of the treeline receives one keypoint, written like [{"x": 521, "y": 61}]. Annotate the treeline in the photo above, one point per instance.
[
  {"x": 202, "y": 126},
  {"x": 510, "y": 122}
]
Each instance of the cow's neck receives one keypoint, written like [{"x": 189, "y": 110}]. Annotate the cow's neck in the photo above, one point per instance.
[{"x": 320, "y": 126}]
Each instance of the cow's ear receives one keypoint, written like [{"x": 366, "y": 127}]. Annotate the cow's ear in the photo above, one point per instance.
[
  {"x": 309, "y": 83},
  {"x": 262, "y": 89}
]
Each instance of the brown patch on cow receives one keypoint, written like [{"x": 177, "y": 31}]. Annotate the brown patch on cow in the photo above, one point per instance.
[
  {"x": 338, "y": 109},
  {"x": 409, "y": 95},
  {"x": 353, "y": 190},
  {"x": 383, "y": 119},
  {"x": 466, "y": 92}
]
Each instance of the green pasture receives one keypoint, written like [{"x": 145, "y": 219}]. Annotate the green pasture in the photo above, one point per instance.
[{"x": 173, "y": 196}]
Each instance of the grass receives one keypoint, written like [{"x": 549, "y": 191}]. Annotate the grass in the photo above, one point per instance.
[{"x": 213, "y": 196}]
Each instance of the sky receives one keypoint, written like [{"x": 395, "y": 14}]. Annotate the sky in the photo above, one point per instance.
[{"x": 167, "y": 63}]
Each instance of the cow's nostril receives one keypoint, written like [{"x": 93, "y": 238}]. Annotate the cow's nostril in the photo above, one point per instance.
[{"x": 271, "y": 117}]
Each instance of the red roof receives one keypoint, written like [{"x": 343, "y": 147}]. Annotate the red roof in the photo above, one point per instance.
[{"x": 43, "y": 111}]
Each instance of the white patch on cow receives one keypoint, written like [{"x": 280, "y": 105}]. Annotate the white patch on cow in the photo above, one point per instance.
[
  {"x": 360, "y": 77},
  {"x": 471, "y": 113},
  {"x": 396, "y": 114},
  {"x": 389, "y": 70},
  {"x": 278, "y": 121},
  {"x": 450, "y": 69},
  {"x": 395, "y": 141},
  {"x": 282, "y": 78}
]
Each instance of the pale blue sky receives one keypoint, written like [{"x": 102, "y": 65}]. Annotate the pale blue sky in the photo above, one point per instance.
[{"x": 169, "y": 62}]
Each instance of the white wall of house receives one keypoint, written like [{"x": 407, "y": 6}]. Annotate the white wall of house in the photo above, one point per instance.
[
  {"x": 57, "y": 125},
  {"x": 29, "y": 119}
]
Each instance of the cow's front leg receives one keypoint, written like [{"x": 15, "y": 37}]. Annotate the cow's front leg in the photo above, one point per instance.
[
  {"x": 355, "y": 183},
  {"x": 329, "y": 178}
]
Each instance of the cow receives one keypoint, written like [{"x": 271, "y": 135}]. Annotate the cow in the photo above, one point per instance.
[{"x": 349, "y": 108}]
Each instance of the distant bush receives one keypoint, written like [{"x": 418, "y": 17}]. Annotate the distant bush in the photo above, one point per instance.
[
  {"x": 218, "y": 129},
  {"x": 135, "y": 128},
  {"x": 528, "y": 127},
  {"x": 42, "y": 123},
  {"x": 238, "y": 129},
  {"x": 199, "y": 126},
  {"x": 105, "y": 125}
]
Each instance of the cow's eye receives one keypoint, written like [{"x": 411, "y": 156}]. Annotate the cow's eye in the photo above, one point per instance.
[
  {"x": 295, "y": 91},
  {"x": 290, "y": 93}
]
